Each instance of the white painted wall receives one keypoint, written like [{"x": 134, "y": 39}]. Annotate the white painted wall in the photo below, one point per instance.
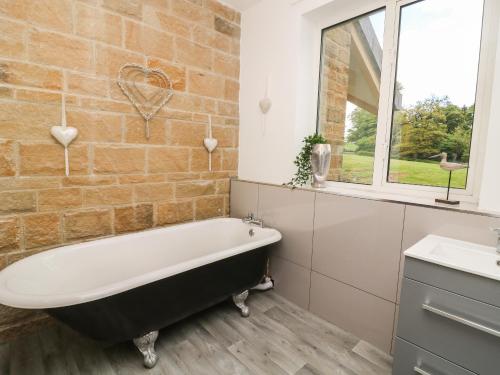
[{"x": 281, "y": 40}]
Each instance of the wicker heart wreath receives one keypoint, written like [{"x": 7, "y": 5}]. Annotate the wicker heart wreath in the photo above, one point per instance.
[{"x": 136, "y": 82}]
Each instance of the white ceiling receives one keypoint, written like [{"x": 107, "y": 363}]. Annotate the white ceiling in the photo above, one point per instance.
[{"x": 240, "y": 5}]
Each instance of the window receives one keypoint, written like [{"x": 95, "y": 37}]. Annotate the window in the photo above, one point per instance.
[
  {"x": 351, "y": 64},
  {"x": 386, "y": 135}
]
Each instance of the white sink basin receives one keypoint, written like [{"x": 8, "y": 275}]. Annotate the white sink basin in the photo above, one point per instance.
[{"x": 460, "y": 255}]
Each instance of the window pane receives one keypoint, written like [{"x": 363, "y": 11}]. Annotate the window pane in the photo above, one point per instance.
[
  {"x": 433, "y": 111},
  {"x": 351, "y": 62}
]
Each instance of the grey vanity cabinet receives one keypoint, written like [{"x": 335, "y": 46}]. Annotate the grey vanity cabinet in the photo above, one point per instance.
[{"x": 443, "y": 332}]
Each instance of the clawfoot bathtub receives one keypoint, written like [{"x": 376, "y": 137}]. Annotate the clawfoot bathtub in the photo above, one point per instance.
[{"x": 128, "y": 287}]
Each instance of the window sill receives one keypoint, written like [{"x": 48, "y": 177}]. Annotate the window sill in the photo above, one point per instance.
[{"x": 391, "y": 197}]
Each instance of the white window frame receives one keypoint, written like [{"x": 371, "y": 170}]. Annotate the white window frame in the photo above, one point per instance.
[{"x": 384, "y": 123}]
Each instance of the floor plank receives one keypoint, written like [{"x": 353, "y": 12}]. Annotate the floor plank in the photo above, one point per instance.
[{"x": 278, "y": 338}]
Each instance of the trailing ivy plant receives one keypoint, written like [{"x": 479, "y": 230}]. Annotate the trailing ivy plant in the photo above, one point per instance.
[{"x": 303, "y": 160}]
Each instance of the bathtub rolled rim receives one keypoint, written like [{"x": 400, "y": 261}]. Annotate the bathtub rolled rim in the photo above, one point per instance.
[{"x": 37, "y": 301}]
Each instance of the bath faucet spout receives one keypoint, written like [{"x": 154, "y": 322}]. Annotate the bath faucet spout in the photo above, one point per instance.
[{"x": 251, "y": 219}]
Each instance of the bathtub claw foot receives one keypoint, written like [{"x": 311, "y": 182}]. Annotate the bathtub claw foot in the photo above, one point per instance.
[
  {"x": 146, "y": 345},
  {"x": 239, "y": 301}
]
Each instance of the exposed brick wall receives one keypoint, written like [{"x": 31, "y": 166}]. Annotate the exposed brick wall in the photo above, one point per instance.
[
  {"x": 334, "y": 91},
  {"x": 120, "y": 181}
]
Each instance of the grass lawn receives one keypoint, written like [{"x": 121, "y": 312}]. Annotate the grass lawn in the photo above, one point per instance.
[{"x": 359, "y": 169}]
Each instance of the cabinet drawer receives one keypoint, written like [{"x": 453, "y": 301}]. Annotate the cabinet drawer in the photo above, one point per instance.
[
  {"x": 412, "y": 360},
  {"x": 462, "y": 330}
]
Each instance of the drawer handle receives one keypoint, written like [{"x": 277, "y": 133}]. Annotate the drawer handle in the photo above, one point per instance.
[
  {"x": 419, "y": 371},
  {"x": 461, "y": 320}
]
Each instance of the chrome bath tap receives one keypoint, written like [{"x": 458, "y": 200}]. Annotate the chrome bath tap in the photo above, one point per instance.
[{"x": 251, "y": 219}]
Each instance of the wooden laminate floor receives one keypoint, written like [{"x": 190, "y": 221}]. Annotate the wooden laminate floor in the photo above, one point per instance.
[{"x": 277, "y": 338}]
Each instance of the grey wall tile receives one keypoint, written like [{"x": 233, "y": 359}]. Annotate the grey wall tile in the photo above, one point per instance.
[
  {"x": 365, "y": 315},
  {"x": 244, "y": 197},
  {"x": 291, "y": 212},
  {"x": 358, "y": 241},
  {"x": 421, "y": 221},
  {"x": 291, "y": 281}
]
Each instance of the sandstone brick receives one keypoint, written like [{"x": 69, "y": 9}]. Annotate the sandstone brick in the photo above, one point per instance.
[
  {"x": 106, "y": 105},
  {"x": 148, "y": 41},
  {"x": 127, "y": 7},
  {"x": 88, "y": 180},
  {"x": 192, "y": 12},
  {"x": 232, "y": 90},
  {"x": 12, "y": 39},
  {"x": 7, "y": 159},
  {"x": 230, "y": 160},
  {"x": 109, "y": 60},
  {"x": 154, "y": 192},
  {"x": 10, "y": 234},
  {"x": 86, "y": 224},
  {"x": 58, "y": 50},
  {"x": 193, "y": 54},
  {"x": 19, "y": 73},
  {"x": 208, "y": 207},
  {"x": 206, "y": 84},
  {"x": 182, "y": 176},
  {"x": 188, "y": 103},
  {"x": 133, "y": 218},
  {"x": 121, "y": 160},
  {"x": 175, "y": 212},
  {"x": 228, "y": 109},
  {"x": 140, "y": 178},
  {"x": 168, "y": 159},
  {"x": 187, "y": 134},
  {"x": 17, "y": 201},
  {"x": 226, "y": 65},
  {"x": 176, "y": 73},
  {"x": 235, "y": 47},
  {"x": 95, "y": 24},
  {"x": 6, "y": 92},
  {"x": 41, "y": 230},
  {"x": 194, "y": 189},
  {"x": 226, "y": 136},
  {"x": 174, "y": 25},
  {"x": 26, "y": 121},
  {"x": 135, "y": 130},
  {"x": 221, "y": 10},
  {"x": 199, "y": 160},
  {"x": 25, "y": 183},
  {"x": 48, "y": 160},
  {"x": 51, "y": 14},
  {"x": 104, "y": 196},
  {"x": 96, "y": 127},
  {"x": 86, "y": 84},
  {"x": 59, "y": 199},
  {"x": 223, "y": 186},
  {"x": 212, "y": 39},
  {"x": 37, "y": 96},
  {"x": 228, "y": 28},
  {"x": 13, "y": 9}
]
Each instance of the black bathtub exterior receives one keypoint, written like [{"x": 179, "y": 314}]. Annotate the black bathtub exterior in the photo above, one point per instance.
[{"x": 153, "y": 306}]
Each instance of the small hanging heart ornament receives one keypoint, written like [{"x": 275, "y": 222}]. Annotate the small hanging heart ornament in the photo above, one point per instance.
[
  {"x": 210, "y": 144},
  {"x": 265, "y": 105},
  {"x": 64, "y": 134},
  {"x": 148, "y": 89}
]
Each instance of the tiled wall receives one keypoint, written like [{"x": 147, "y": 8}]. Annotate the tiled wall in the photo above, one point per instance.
[
  {"x": 119, "y": 180},
  {"x": 341, "y": 257}
]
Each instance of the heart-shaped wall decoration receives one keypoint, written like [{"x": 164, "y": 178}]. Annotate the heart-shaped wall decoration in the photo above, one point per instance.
[
  {"x": 210, "y": 144},
  {"x": 148, "y": 89},
  {"x": 64, "y": 134},
  {"x": 265, "y": 105}
]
